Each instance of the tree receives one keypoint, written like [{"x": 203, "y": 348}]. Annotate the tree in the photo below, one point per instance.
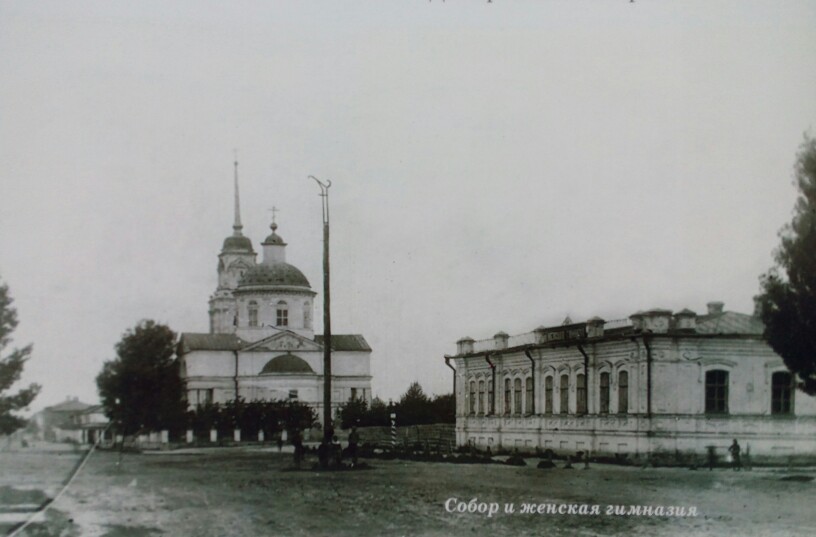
[
  {"x": 354, "y": 412},
  {"x": 787, "y": 301},
  {"x": 414, "y": 407},
  {"x": 10, "y": 369},
  {"x": 141, "y": 389}
]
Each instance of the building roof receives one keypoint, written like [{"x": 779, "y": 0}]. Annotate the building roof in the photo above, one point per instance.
[
  {"x": 274, "y": 274},
  {"x": 729, "y": 322},
  {"x": 230, "y": 342},
  {"x": 346, "y": 342},
  {"x": 71, "y": 405},
  {"x": 210, "y": 342},
  {"x": 237, "y": 244}
]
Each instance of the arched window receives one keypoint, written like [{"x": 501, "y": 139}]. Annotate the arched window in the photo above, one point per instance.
[
  {"x": 623, "y": 392},
  {"x": 581, "y": 394},
  {"x": 507, "y": 407},
  {"x": 548, "y": 395},
  {"x": 564, "y": 389},
  {"x": 253, "y": 313},
  {"x": 481, "y": 397},
  {"x": 491, "y": 408},
  {"x": 716, "y": 392},
  {"x": 604, "y": 395},
  {"x": 528, "y": 399},
  {"x": 517, "y": 397},
  {"x": 307, "y": 314},
  {"x": 781, "y": 393},
  {"x": 472, "y": 401},
  {"x": 282, "y": 318}
]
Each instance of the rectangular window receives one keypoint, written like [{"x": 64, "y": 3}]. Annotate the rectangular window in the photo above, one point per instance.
[
  {"x": 716, "y": 392},
  {"x": 581, "y": 394},
  {"x": 623, "y": 392},
  {"x": 472, "y": 402},
  {"x": 354, "y": 394},
  {"x": 528, "y": 400},
  {"x": 283, "y": 317},
  {"x": 604, "y": 395},
  {"x": 517, "y": 402},
  {"x": 293, "y": 395},
  {"x": 564, "y": 389},
  {"x": 507, "y": 396},
  {"x": 491, "y": 402},
  {"x": 781, "y": 393},
  {"x": 481, "y": 397},
  {"x": 548, "y": 395}
]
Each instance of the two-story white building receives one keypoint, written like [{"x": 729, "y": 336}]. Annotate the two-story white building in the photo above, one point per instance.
[{"x": 659, "y": 382}]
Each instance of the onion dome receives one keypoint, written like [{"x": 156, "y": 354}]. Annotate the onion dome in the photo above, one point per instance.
[
  {"x": 273, "y": 275},
  {"x": 237, "y": 244}
]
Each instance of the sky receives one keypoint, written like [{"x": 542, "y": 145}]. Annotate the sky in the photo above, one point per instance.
[{"x": 495, "y": 166}]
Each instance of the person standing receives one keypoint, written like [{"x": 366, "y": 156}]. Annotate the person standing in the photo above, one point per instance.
[
  {"x": 353, "y": 440},
  {"x": 734, "y": 450}
]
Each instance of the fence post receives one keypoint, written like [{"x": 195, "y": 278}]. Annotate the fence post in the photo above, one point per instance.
[
  {"x": 261, "y": 436},
  {"x": 236, "y": 435},
  {"x": 213, "y": 435},
  {"x": 190, "y": 437},
  {"x": 393, "y": 430}
]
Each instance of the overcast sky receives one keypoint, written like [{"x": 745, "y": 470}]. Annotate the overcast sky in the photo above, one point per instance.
[{"x": 495, "y": 166}]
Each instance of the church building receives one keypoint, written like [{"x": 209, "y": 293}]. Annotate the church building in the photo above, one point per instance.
[
  {"x": 261, "y": 344},
  {"x": 656, "y": 383}
]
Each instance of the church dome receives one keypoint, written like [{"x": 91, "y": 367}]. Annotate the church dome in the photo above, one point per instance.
[
  {"x": 274, "y": 238},
  {"x": 237, "y": 243},
  {"x": 274, "y": 274},
  {"x": 287, "y": 363}
]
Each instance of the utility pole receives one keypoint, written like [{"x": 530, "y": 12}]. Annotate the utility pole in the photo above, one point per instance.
[{"x": 327, "y": 411}]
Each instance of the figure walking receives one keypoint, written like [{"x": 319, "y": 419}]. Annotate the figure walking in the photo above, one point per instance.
[
  {"x": 297, "y": 442},
  {"x": 736, "y": 464}
]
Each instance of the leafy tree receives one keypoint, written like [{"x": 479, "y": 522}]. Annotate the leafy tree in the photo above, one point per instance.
[
  {"x": 414, "y": 407},
  {"x": 297, "y": 416},
  {"x": 378, "y": 413},
  {"x": 354, "y": 412},
  {"x": 141, "y": 389},
  {"x": 11, "y": 367},
  {"x": 443, "y": 409},
  {"x": 787, "y": 302}
]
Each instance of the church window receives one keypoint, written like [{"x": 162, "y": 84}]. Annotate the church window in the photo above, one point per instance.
[
  {"x": 581, "y": 394},
  {"x": 481, "y": 396},
  {"x": 716, "y": 392},
  {"x": 548, "y": 395},
  {"x": 307, "y": 314},
  {"x": 282, "y": 314},
  {"x": 564, "y": 389},
  {"x": 507, "y": 397},
  {"x": 623, "y": 392},
  {"x": 472, "y": 402},
  {"x": 781, "y": 393},
  {"x": 517, "y": 396},
  {"x": 604, "y": 395},
  {"x": 490, "y": 400},
  {"x": 293, "y": 395},
  {"x": 528, "y": 399},
  {"x": 253, "y": 313}
]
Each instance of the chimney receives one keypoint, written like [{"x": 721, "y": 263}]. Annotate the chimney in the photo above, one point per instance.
[
  {"x": 715, "y": 308},
  {"x": 686, "y": 320},
  {"x": 501, "y": 340},
  {"x": 595, "y": 327},
  {"x": 657, "y": 320},
  {"x": 464, "y": 345}
]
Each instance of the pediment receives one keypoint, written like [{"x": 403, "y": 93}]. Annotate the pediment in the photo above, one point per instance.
[{"x": 285, "y": 341}]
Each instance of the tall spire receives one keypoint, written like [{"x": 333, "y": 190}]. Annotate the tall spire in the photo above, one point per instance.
[{"x": 237, "y": 227}]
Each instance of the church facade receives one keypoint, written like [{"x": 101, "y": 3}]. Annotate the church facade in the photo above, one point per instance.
[
  {"x": 261, "y": 343},
  {"x": 656, "y": 383}
]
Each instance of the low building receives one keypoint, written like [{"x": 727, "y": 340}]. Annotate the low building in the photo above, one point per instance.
[
  {"x": 57, "y": 423},
  {"x": 656, "y": 383}
]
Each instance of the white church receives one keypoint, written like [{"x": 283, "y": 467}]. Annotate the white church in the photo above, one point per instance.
[{"x": 261, "y": 344}]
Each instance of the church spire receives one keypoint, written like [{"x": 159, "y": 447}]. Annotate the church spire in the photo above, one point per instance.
[{"x": 236, "y": 226}]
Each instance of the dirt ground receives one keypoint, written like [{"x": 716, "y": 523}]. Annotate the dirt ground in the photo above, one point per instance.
[{"x": 245, "y": 492}]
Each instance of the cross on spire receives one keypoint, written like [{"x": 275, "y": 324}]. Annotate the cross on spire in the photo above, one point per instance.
[{"x": 274, "y": 210}]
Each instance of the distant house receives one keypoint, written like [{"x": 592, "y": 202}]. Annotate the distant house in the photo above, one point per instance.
[
  {"x": 70, "y": 421},
  {"x": 658, "y": 382}
]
